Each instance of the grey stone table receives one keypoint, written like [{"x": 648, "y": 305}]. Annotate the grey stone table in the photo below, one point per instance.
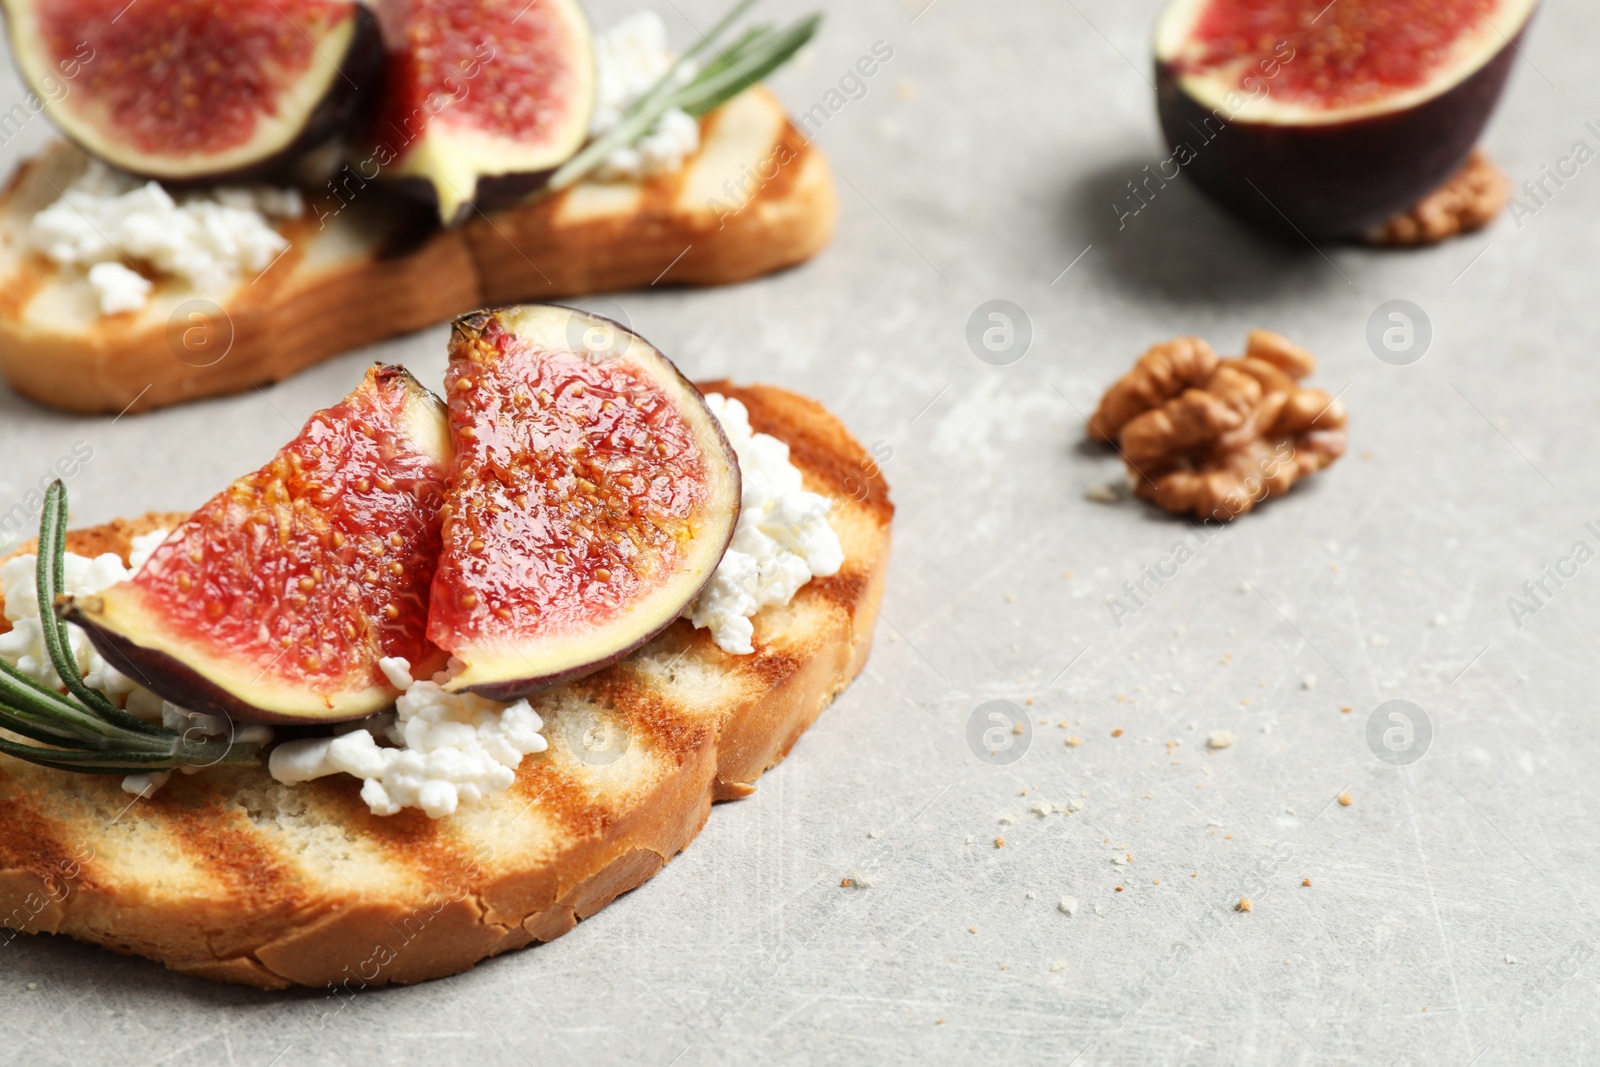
[{"x": 1450, "y": 916}]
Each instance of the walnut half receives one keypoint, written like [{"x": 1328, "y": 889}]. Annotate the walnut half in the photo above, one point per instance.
[
  {"x": 1215, "y": 437},
  {"x": 1468, "y": 201}
]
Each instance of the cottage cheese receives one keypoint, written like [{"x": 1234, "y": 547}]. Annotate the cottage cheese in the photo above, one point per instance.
[
  {"x": 783, "y": 539},
  {"x": 211, "y": 239},
  {"x": 451, "y": 747},
  {"x": 23, "y": 648},
  {"x": 629, "y": 59}
]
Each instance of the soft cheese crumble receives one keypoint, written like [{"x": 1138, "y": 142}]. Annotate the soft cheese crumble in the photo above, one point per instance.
[
  {"x": 450, "y": 747},
  {"x": 23, "y": 648},
  {"x": 629, "y": 59},
  {"x": 783, "y": 539},
  {"x": 211, "y": 239}
]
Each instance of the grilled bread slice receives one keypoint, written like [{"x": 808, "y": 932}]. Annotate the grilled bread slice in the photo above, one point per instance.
[
  {"x": 363, "y": 265},
  {"x": 232, "y": 876}
]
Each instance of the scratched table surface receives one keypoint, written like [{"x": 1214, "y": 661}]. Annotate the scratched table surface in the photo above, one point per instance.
[{"x": 1446, "y": 915}]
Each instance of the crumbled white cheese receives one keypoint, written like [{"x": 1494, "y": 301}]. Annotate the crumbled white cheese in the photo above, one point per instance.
[
  {"x": 120, "y": 288},
  {"x": 783, "y": 539},
  {"x": 1068, "y": 905},
  {"x": 211, "y": 239},
  {"x": 629, "y": 59},
  {"x": 449, "y": 748},
  {"x": 23, "y": 648},
  {"x": 1219, "y": 739}
]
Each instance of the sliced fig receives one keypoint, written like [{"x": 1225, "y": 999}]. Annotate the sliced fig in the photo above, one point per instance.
[
  {"x": 593, "y": 495},
  {"x": 276, "y": 600},
  {"x": 191, "y": 90},
  {"x": 1329, "y": 118},
  {"x": 481, "y": 92}
]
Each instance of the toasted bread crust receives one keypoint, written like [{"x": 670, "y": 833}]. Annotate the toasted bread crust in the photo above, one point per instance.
[
  {"x": 757, "y": 199},
  {"x": 233, "y": 877}
]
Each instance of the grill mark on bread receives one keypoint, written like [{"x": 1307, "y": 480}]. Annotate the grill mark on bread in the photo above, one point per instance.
[
  {"x": 772, "y": 666},
  {"x": 646, "y": 715},
  {"x": 561, "y": 797},
  {"x": 843, "y": 590},
  {"x": 36, "y": 844},
  {"x": 789, "y": 153},
  {"x": 221, "y": 838},
  {"x": 409, "y": 840}
]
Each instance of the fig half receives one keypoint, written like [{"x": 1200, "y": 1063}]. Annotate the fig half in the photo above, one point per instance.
[
  {"x": 1327, "y": 118},
  {"x": 190, "y": 91},
  {"x": 276, "y": 600},
  {"x": 480, "y": 95},
  {"x": 593, "y": 495}
]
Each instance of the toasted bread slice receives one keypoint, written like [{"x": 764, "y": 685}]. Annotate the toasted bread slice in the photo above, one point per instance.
[
  {"x": 756, "y": 198},
  {"x": 230, "y": 875}
]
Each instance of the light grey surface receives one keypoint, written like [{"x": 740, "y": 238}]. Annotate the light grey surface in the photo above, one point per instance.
[{"x": 1451, "y": 917}]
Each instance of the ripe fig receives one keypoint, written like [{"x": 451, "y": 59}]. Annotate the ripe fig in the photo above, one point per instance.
[
  {"x": 276, "y": 600},
  {"x": 592, "y": 496},
  {"x": 191, "y": 91},
  {"x": 1328, "y": 119},
  {"x": 480, "y": 95}
]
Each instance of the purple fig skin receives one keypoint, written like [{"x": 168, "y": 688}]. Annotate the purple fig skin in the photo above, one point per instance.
[
  {"x": 1332, "y": 181},
  {"x": 351, "y": 95},
  {"x": 519, "y": 688},
  {"x": 170, "y": 679}
]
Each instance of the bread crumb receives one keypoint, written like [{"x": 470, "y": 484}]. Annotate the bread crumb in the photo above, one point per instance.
[
  {"x": 1007, "y": 819},
  {"x": 1058, "y": 965},
  {"x": 999, "y": 842},
  {"x": 1068, "y": 906},
  {"x": 1243, "y": 905},
  {"x": 1119, "y": 889},
  {"x": 1219, "y": 739},
  {"x": 1345, "y": 709},
  {"x": 972, "y": 929},
  {"x": 1123, "y": 860},
  {"x": 1345, "y": 800},
  {"x": 35, "y": 985},
  {"x": 844, "y": 883},
  {"x": 939, "y": 1021},
  {"x": 1103, "y": 494},
  {"x": 1306, "y": 882},
  {"x": 1117, "y": 732},
  {"x": 1073, "y": 741},
  {"x": 1019, "y": 728}
]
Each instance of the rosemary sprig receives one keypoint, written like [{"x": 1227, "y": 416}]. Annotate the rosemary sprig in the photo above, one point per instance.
[
  {"x": 756, "y": 53},
  {"x": 87, "y": 732}
]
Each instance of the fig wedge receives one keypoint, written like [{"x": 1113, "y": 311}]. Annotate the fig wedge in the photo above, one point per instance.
[
  {"x": 1329, "y": 119},
  {"x": 592, "y": 496},
  {"x": 276, "y": 600},
  {"x": 190, "y": 91},
  {"x": 481, "y": 95}
]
